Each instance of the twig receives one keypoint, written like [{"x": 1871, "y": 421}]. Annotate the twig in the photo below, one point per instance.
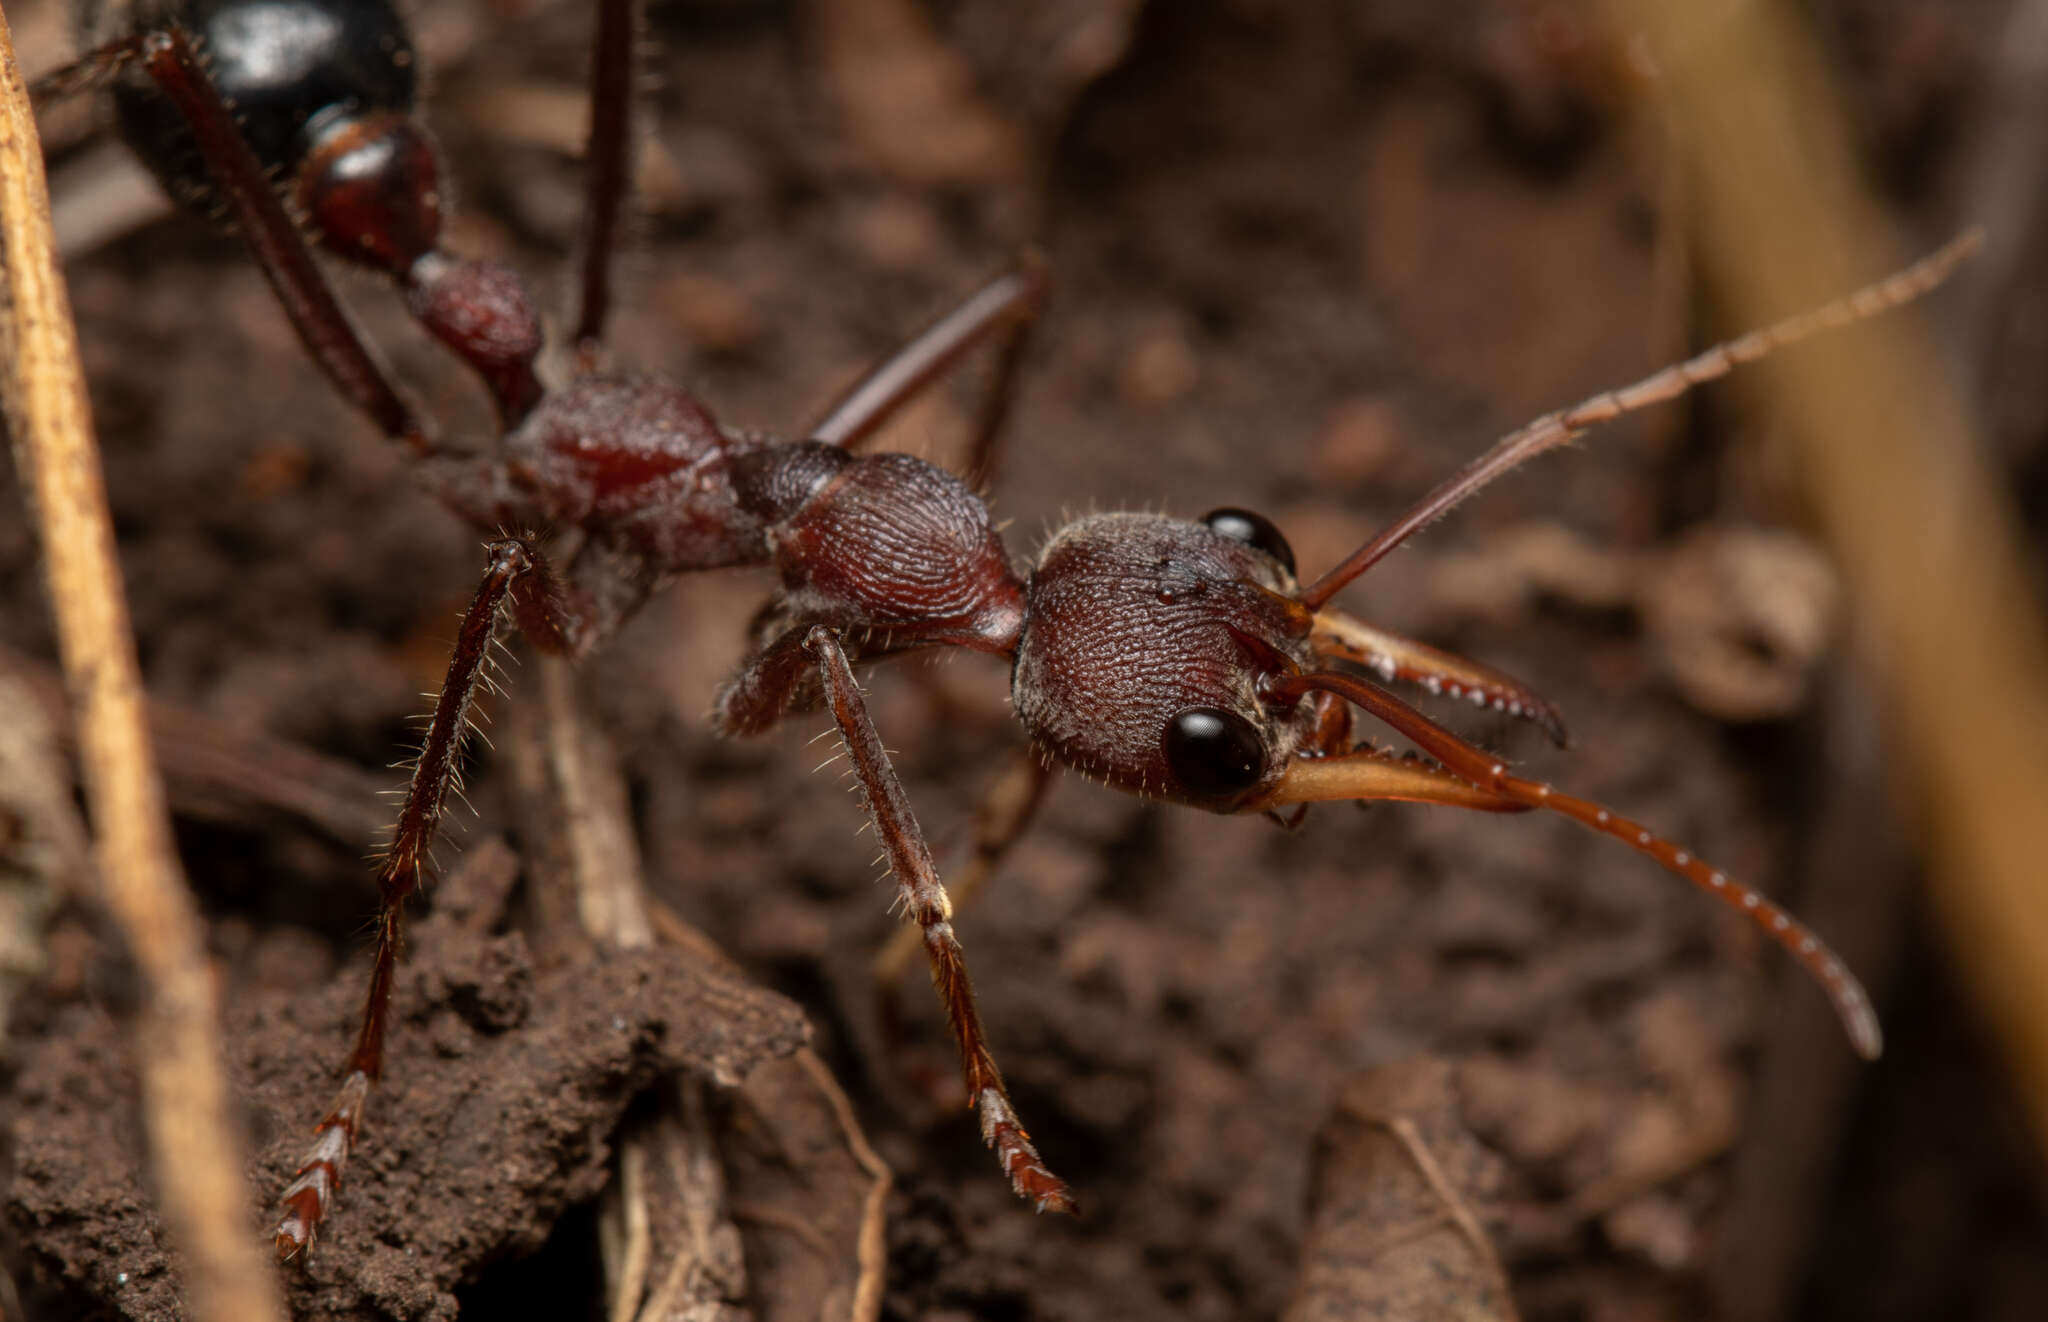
[
  {"x": 196, "y": 1161},
  {"x": 627, "y": 1239},
  {"x": 603, "y": 863},
  {"x": 871, "y": 1242},
  {"x": 219, "y": 773},
  {"x": 42, "y": 841},
  {"x": 871, "y": 1250},
  {"x": 1391, "y": 1230},
  {"x": 603, "y": 858}
]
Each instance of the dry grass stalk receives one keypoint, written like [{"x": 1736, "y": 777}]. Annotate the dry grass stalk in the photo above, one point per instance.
[
  {"x": 1896, "y": 471},
  {"x": 197, "y": 1164}
]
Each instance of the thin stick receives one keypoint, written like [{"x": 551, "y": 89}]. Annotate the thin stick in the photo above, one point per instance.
[
  {"x": 1405, "y": 1133},
  {"x": 196, "y": 1162},
  {"x": 870, "y": 1246}
]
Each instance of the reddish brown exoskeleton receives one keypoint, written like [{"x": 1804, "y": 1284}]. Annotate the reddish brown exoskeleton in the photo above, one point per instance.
[{"x": 1174, "y": 659}]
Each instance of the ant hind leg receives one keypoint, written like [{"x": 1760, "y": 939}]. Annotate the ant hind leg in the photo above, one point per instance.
[
  {"x": 609, "y": 166},
  {"x": 517, "y": 576}
]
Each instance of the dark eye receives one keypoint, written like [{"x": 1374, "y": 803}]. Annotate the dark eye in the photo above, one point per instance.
[
  {"x": 1254, "y": 530},
  {"x": 1214, "y": 754}
]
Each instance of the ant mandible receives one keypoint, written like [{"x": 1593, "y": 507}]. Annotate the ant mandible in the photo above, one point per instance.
[{"x": 1177, "y": 660}]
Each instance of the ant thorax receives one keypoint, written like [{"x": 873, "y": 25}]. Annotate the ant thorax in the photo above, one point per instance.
[
  {"x": 640, "y": 465},
  {"x": 893, "y": 550},
  {"x": 1146, "y": 639}
]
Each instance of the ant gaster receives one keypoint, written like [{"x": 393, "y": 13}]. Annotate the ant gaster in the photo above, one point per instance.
[{"x": 1178, "y": 660}]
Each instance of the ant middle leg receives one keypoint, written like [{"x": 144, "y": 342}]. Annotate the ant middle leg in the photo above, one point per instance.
[
  {"x": 1010, "y": 304},
  {"x": 608, "y": 165},
  {"x": 775, "y": 678}
]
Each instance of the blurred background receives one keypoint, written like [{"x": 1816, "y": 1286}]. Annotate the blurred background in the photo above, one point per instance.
[{"x": 1310, "y": 256}]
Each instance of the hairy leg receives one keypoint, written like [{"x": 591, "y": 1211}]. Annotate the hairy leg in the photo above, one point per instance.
[
  {"x": 1005, "y": 814},
  {"x": 924, "y": 900},
  {"x": 515, "y": 576}
]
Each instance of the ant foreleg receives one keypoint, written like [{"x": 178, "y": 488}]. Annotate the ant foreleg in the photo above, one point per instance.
[
  {"x": 286, "y": 260},
  {"x": 1004, "y": 815},
  {"x": 1011, "y": 302},
  {"x": 924, "y": 898},
  {"x": 516, "y": 571}
]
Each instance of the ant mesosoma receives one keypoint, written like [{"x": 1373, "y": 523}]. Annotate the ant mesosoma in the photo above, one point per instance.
[{"x": 1177, "y": 660}]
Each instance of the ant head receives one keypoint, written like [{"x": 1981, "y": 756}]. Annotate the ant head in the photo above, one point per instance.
[{"x": 1149, "y": 653}]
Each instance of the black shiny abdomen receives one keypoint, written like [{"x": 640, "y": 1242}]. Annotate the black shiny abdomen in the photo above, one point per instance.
[{"x": 280, "y": 63}]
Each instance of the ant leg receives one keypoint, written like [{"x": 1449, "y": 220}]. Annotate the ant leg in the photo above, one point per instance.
[
  {"x": 1393, "y": 657},
  {"x": 767, "y": 688},
  {"x": 93, "y": 69},
  {"x": 1480, "y": 773},
  {"x": 1005, "y": 813},
  {"x": 1011, "y": 302},
  {"x": 1001, "y": 392},
  {"x": 517, "y": 574},
  {"x": 322, "y": 324},
  {"x": 607, "y": 160},
  {"x": 924, "y": 898}
]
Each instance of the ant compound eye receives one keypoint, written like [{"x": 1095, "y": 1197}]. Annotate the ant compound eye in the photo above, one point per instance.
[
  {"x": 1214, "y": 754},
  {"x": 1254, "y": 530}
]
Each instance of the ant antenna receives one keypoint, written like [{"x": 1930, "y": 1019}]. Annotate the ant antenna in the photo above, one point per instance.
[
  {"x": 1365, "y": 775},
  {"x": 1555, "y": 429}
]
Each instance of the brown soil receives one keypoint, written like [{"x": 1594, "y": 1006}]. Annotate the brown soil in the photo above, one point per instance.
[{"x": 1310, "y": 257}]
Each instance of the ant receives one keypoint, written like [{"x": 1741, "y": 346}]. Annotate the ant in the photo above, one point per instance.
[{"x": 1179, "y": 660}]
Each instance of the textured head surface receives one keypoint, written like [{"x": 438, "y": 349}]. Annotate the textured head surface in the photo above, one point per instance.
[{"x": 1133, "y": 619}]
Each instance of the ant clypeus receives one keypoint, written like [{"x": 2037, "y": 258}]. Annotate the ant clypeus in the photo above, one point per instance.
[{"x": 1178, "y": 660}]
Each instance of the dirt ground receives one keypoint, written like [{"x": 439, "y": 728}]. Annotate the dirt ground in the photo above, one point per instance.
[{"x": 1310, "y": 256}]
